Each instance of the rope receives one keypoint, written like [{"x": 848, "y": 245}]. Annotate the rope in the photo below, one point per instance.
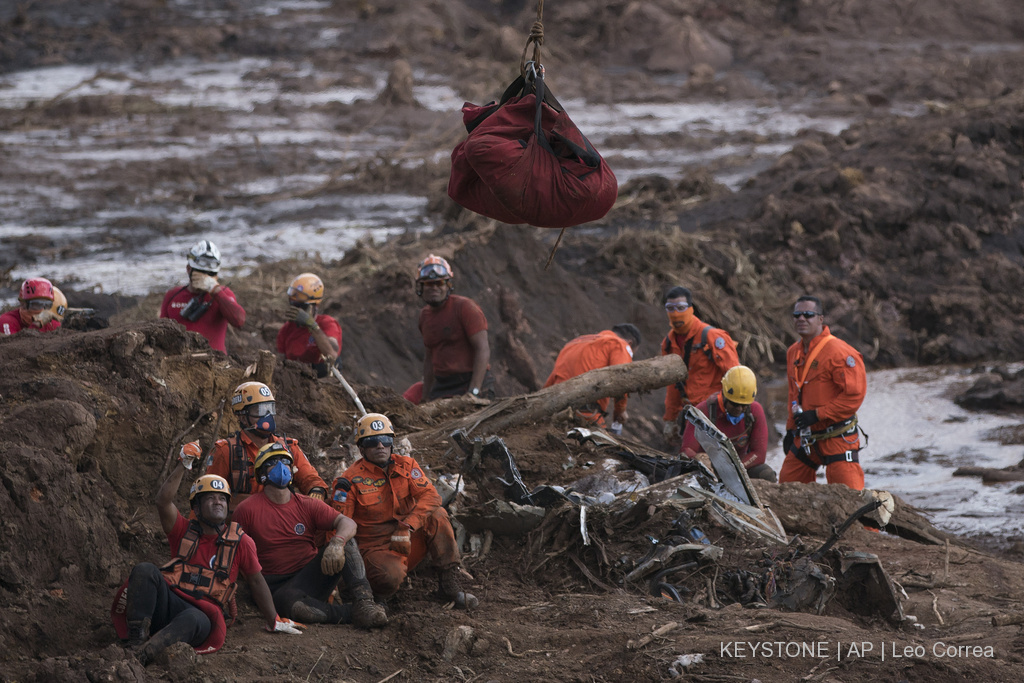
[{"x": 536, "y": 37}]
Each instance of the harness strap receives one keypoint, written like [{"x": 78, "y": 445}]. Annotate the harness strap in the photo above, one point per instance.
[
  {"x": 834, "y": 430},
  {"x": 808, "y": 360}
]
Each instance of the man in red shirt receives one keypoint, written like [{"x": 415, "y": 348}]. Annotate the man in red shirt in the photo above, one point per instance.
[
  {"x": 707, "y": 351},
  {"x": 827, "y": 384},
  {"x": 35, "y": 308},
  {"x": 308, "y": 337},
  {"x": 398, "y": 514},
  {"x": 184, "y": 601},
  {"x": 591, "y": 352},
  {"x": 301, "y": 576},
  {"x": 454, "y": 330},
  {"x": 737, "y": 415},
  {"x": 233, "y": 458},
  {"x": 204, "y": 305}
]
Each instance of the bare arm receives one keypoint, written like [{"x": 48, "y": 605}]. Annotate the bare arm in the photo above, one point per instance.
[
  {"x": 344, "y": 528},
  {"x": 328, "y": 347},
  {"x": 264, "y": 600},
  {"x": 165, "y": 498},
  {"x": 481, "y": 357}
]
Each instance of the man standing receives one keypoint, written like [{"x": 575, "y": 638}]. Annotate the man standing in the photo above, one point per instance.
[
  {"x": 454, "y": 330},
  {"x": 827, "y": 383},
  {"x": 707, "y": 352},
  {"x": 234, "y": 458},
  {"x": 737, "y": 415},
  {"x": 302, "y": 577},
  {"x": 184, "y": 600},
  {"x": 35, "y": 308},
  {"x": 398, "y": 513},
  {"x": 204, "y": 305},
  {"x": 593, "y": 351},
  {"x": 308, "y": 337}
]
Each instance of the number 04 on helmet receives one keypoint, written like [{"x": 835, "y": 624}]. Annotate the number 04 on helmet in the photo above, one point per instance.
[{"x": 208, "y": 483}]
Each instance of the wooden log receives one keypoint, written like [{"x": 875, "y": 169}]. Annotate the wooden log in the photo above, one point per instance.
[
  {"x": 989, "y": 474},
  {"x": 616, "y": 380}
]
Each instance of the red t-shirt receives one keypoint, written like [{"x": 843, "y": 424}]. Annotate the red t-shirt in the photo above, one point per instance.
[
  {"x": 245, "y": 560},
  {"x": 284, "y": 533},
  {"x": 751, "y": 451},
  {"x": 297, "y": 343},
  {"x": 213, "y": 324},
  {"x": 10, "y": 323},
  {"x": 446, "y": 331}
]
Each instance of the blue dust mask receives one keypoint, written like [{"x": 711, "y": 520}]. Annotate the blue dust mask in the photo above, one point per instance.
[
  {"x": 734, "y": 420},
  {"x": 265, "y": 426},
  {"x": 280, "y": 474}
]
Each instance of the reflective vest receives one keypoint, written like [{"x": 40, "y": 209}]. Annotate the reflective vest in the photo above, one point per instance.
[{"x": 212, "y": 583}]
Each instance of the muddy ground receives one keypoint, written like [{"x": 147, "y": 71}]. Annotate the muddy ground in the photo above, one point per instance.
[{"x": 908, "y": 226}]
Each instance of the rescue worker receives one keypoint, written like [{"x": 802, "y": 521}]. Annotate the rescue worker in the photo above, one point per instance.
[
  {"x": 184, "y": 600},
  {"x": 827, "y": 383},
  {"x": 308, "y": 337},
  {"x": 60, "y": 306},
  {"x": 300, "y": 575},
  {"x": 204, "y": 305},
  {"x": 35, "y": 308},
  {"x": 591, "y": 352},
  {"x": 398, "y": 513},
  {"x": 234, "y": 457},
  {"x": 454, "y": 330},
  {"x": 707, "y": 352},
  {"x": 737, "y": 415}
]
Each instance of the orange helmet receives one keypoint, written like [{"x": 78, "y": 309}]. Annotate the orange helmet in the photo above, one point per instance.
[
  {"x": 209, "y": 483},
  {"x": 306, "y": 289},
  {"x": 373, "y": 424},
  {"x": 250, "y": 394},
  {"x": 433, "y": 268},
  {"x": 60, "y": 305},
  {"x": 36, "y": 288}
]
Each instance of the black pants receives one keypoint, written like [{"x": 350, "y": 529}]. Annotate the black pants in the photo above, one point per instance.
[
  {"x": 313, "y": 587},
  {"x": 458, "y": 384},
  {"x": 150, "y": 597}
]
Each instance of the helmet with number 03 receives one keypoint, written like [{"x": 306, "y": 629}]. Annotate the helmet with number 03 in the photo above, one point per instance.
[
  {"x": 36, "y": 288},
  {"x": 205, "y": 256},
  {"x": 433, "y": 268},
  {"x": 739, "y": 385},
  {"x": 306, "y": 289},
  {"x": 274, "y": 449},
  {"x": 253, "y": 394},
  {"x": 209, "y": 483},
  {"x": 60, "y": 305},
  {"x": 373, "y": 424}
]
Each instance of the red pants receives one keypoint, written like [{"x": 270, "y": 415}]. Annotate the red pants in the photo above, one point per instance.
[
  {"x": 849, "y": 473},
  {"x": 386, "y": 569}
]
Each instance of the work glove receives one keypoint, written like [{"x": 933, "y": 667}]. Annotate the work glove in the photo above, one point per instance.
[
  {"x": 190, "y": 452},
  {"x": 334, "y": 557},
  {"x": 616, "y": 428},
  {"x": 300, "y": 317},
  {"x": 282, "y": 625},
  {"x": 670, "y": 431},
  {"x": 201, "y": 282},
  {"x": 805, "y": 419},
  {"x": 317, "y": 493},
  {"x": 401, "y": 541},
  {"x": 788, "y": 439}
]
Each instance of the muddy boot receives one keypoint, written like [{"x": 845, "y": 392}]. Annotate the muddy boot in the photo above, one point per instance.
[
  {"x": 160, "y": 641},
  {"x": 308, "y": 613},
  {"x": 138, "y": 633},
  {"x": 451, "y": 588},
  {"x": 365, "y": 612}
]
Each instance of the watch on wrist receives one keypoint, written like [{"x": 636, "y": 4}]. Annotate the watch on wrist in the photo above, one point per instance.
[{"x": 475, "y": 391}]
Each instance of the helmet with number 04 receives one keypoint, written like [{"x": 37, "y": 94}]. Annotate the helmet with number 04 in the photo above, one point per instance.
[
  {"x": 739, "y": 385},
  {"x": 373, "y": 424},
  {"x": 204, "y": 256},
  {"x": 306, "y": 289},
  {"x": 60, "y": 305},
  {"x": 253, "y": 394},
  {"x": 431, "y": 269},
  {"x": 209, "y": 483}
]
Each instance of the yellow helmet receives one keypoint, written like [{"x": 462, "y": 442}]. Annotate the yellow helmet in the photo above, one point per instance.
[
  {"x": 209, "y": 483},
  {"x": 250, "y": 394},
  {"x": 306, "y": 289},
  {"x": 739, "y": 385},
  {"x": 60, "y": 305},
  {"x": 274, "y": 449},
  {"x": 373, "y": 424}
]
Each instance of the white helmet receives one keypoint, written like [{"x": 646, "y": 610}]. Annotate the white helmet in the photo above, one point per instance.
[{"x": 205, "y": 256}]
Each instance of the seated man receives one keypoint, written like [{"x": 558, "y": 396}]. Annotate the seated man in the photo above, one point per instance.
[
  {"x": 233, "y": 458},
  {"x": 36, "y": 304},
  {"x": 301, "y": 576},
  {"x": 398, "y": 513},
  {"x": 593, "y": 351},
  {"x": 735, "y": 412},
  {"x": 184, "y": 600},
  {"x": 308, "y": 337}
]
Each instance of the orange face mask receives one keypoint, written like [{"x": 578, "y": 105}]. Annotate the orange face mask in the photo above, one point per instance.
[{"x": 681, "y": 319}]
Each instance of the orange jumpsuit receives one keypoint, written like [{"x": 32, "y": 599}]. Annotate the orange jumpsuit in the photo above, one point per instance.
[
  {"x": 590, "y": 352},
  {"x": 242, "y": 478},
  {"x": 708, "y": 362},
  {"x": 834, "y": 386},
  {"x": 382, "y": 500}
]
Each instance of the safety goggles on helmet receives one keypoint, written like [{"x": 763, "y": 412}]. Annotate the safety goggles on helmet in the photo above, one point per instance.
[
  {"x": 261, "y": 409},
  {"x": 681, "y": 306},
  {"x": 38, "y": 304},
  {"x": 206, "y": 264},
  {"x": 374, "y": 441},
  {"x": 434, "y": 271}
]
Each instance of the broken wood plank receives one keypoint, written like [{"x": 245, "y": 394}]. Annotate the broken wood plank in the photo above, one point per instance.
[{"x": 657, "y": 633}]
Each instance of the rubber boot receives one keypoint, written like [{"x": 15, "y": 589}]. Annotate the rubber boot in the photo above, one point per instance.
[
  {"x": 138, "y": 633},
  {"x": 365, "y": 612},
  {"x": 451, "y": 588},
  {"x": 160, "y": 641},
  {"x": 305, "y": 612}
]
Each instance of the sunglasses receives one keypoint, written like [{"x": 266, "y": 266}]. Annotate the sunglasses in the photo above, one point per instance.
[
  {"x": 676, "y": 307},
  {"x": 807, "y": 315},
  {"x": 374, "y": 441}
]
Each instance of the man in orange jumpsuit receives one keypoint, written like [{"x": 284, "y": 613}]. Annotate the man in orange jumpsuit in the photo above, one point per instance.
[
  {"x": 707, "y": 351},
  {"x": 827, "y": 383},
  {"x": 398, "y": 514},
  {"x": 593, "y": 351},
  {"x": 234, "y": 458}
]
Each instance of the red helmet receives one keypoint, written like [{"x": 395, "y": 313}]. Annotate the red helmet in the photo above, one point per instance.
[{"x": 36, "y": 288}]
